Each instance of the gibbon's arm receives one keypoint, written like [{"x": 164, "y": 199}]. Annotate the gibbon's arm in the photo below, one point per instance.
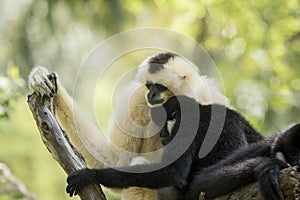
[
  {"x": 174, "y": 174},
  {"x": 71, "y": 118}
]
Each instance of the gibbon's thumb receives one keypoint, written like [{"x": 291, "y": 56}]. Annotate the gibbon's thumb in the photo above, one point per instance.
[{"x": 158, "y": 115}]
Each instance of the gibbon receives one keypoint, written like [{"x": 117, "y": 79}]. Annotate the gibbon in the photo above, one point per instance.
[
  {"x": 158, "y": 78},
  {"x": 187, "y": 123},
  {"x": 261, "y": 161}
]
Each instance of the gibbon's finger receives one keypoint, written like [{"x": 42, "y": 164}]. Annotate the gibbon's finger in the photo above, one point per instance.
[
  {"x": 40, "y": 86},
  {"x": 270, "y": 185},
  {"x": 42, "y": 91},
  {"x": 49, "y": 85},
  {"x": 39, "y": 81},
  {"x": 70, "y": 190},
  {"x": 276, "y": 186},
  {"x": 53, "y": 79},
  {"x": 46, "y": 84}
]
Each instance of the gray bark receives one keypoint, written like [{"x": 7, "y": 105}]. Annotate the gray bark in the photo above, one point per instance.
[{"x": 56, "y": 141}]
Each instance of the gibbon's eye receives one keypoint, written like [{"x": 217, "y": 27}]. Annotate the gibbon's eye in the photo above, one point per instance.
[
  {"x": 149, "y": 85},
  {"x": 161, "y": 87},
  {"x": 293, "y": 153},
  {"x": 175, "y": 115}
]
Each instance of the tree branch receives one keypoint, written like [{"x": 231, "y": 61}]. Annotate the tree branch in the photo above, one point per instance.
[
  {"x": 57, "y": 142},
  {"x": 11, "y": 186},
  {"x": 290, "y": 180}
]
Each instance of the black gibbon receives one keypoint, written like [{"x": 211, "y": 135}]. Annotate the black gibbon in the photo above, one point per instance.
[
  {"x": 158, "y": 78},
  {"x": 261, "y": 161},
  {"x": 186, "y": 124}
]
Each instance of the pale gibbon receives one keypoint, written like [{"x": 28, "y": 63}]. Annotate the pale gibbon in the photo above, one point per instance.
[
  {"x": 159, "y": 77},
  {"x": 186, "y": 126}
]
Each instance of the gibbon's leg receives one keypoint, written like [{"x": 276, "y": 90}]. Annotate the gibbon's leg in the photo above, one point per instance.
[{"x": 71, "y": 118}]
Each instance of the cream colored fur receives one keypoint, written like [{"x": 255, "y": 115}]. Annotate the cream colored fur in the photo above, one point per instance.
[{"x": 179, "y": 75}]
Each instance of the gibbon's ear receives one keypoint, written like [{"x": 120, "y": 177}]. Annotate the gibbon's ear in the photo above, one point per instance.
[
  {"x": 158, "y": 115},
  {"x": 293, "y": 134}
]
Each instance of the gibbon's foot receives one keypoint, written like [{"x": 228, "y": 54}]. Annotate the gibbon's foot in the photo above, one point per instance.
[
  {"x": 42, "y": 82},
  {"x": 78, "y": 180}
]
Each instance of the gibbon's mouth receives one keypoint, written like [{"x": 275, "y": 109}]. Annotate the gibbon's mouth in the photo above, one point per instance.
[{"x": 156, "y": 102}]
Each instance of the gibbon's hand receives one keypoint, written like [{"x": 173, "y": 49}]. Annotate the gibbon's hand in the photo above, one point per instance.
[
  {"x": 78, "y": 180},
  {"x": 271, "y": 183},
  {"x": 40, "y": 81},
  {"x": 269, "y": 180}
]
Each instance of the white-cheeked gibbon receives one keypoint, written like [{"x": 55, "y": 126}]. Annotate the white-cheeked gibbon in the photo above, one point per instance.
[{"x": 159, "y": 77}]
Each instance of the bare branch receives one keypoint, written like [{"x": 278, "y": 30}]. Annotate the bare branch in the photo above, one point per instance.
[
  {"x": 10, "y": 185},
  {"x": 58, "y": 144}
]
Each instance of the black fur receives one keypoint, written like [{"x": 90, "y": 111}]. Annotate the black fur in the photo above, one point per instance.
[
  {"x": 154, "y": 68},
  {"x": 156, "y": 62},
  {"x": 162, "y": 58},
  {"x": 257, "y": 162},
  {"x": 195, "y": 121}
]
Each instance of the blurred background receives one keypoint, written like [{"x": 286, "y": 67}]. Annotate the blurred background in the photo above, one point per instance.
[{"x": 254, "y": 44}]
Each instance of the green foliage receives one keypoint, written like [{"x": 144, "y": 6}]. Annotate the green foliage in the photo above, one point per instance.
[{"x": 11, "y": 88}]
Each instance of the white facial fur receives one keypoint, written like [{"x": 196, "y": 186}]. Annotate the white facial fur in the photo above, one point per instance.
[
  {"x": 182, "y": 78},
  {"x": 280, "y": 156},
  {"x": 170, "y": 125}
]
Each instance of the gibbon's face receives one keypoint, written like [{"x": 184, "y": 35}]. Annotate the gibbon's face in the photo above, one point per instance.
[
  {"x": 157, "y": 94},
  {"x": 164, "y": 75}
]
